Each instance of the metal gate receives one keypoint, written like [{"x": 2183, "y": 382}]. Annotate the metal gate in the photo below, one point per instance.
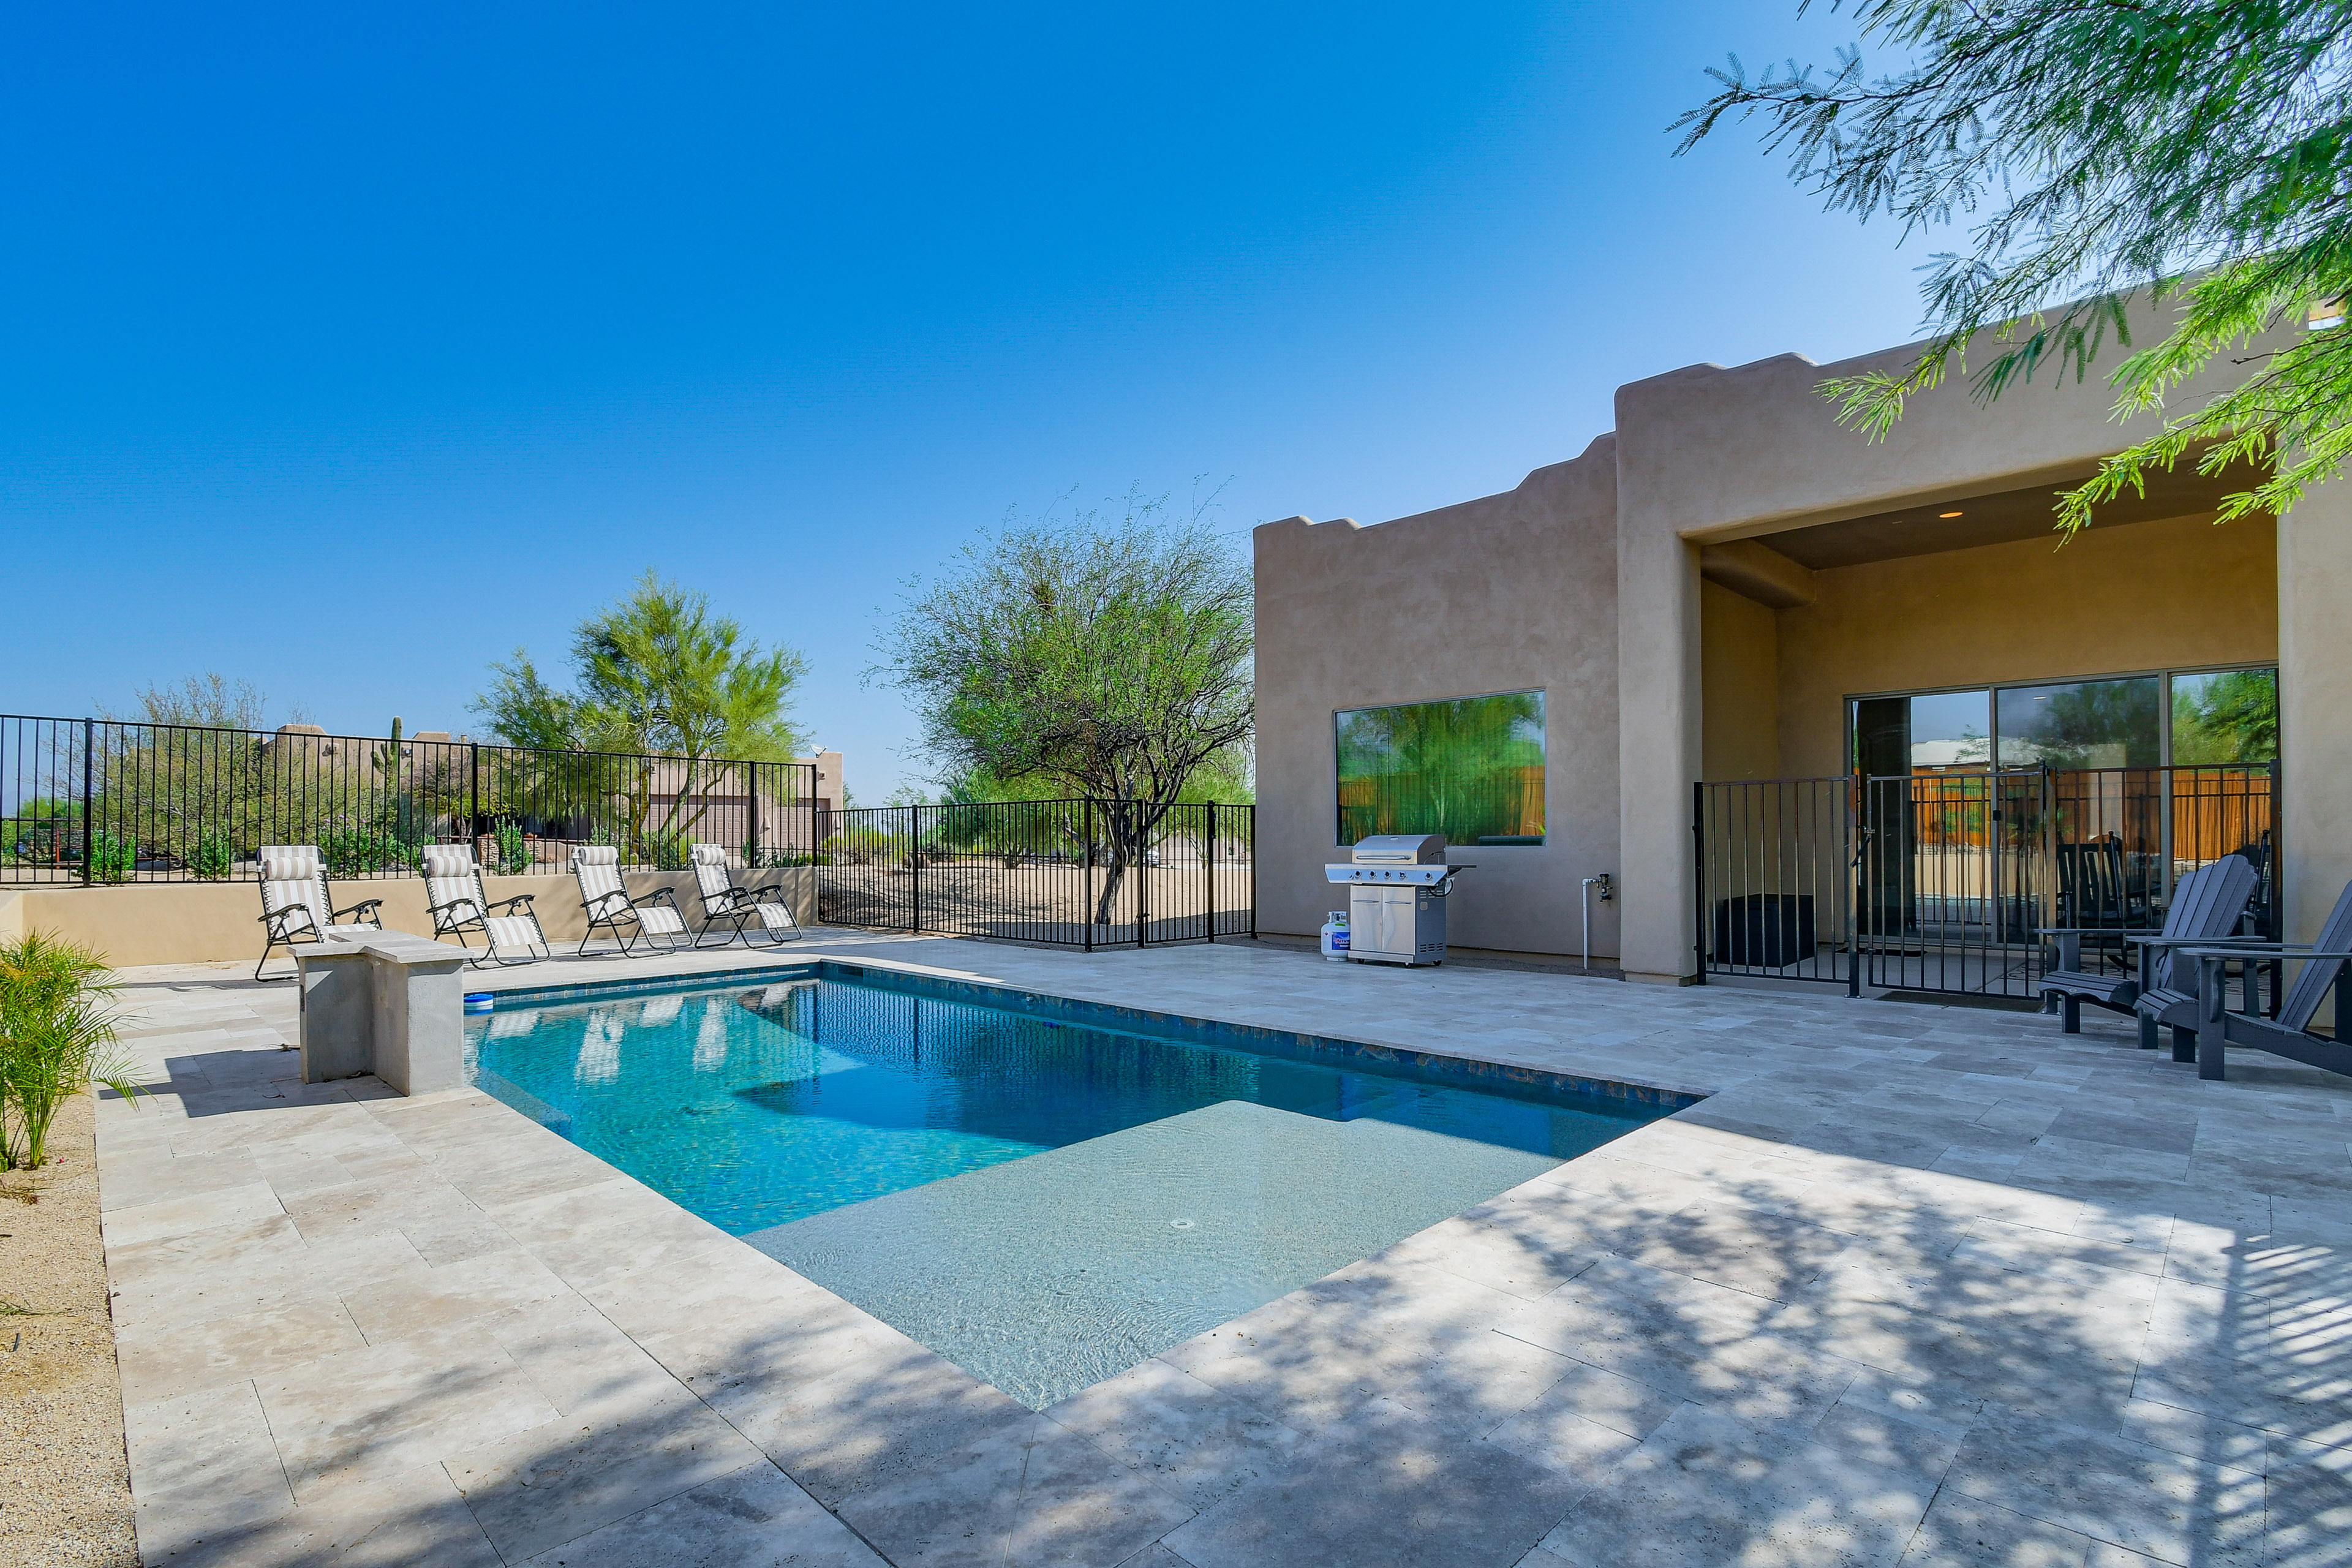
[{"x": 1944, "y": 880}]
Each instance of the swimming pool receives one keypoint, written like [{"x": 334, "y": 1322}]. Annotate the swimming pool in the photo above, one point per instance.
[{"x": 1031, "y": 1189}]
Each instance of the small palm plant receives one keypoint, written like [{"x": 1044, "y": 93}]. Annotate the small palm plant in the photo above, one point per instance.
[{"x": 57, "y": 1038}]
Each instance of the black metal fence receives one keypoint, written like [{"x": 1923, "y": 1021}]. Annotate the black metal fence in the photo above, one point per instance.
[
  {"x": 97, "y": 801},
  {"x": 1776, "y": 889},
  {"x": 1081, "y": 873},
  {"x": 1941, "y": 881}
]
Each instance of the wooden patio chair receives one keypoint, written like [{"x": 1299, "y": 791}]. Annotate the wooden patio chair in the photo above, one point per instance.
[
  {"x": 653, "y": 917},
  {"x": 455, "y": 898},
  {"x": 724, "y": 898},
  {"x": 295, "y": 903},
  {"x": 2207, "y": 905},
  {"x": 2290, "y": 1035}
]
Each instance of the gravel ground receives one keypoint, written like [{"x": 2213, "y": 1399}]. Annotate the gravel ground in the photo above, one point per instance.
[{"x": 65, "y": 1494}]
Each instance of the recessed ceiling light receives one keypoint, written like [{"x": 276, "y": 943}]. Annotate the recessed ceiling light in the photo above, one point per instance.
[{"x": 1948, "y": 514}]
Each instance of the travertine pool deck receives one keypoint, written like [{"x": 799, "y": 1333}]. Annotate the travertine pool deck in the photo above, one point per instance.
[{"x": 1916, "y": 1285}]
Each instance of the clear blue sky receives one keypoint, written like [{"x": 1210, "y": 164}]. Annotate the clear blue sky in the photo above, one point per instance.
[{"x": 350, "y": 348}]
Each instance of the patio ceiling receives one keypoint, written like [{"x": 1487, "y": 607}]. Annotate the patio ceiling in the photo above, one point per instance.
[{"x": 1991, "y": 519}]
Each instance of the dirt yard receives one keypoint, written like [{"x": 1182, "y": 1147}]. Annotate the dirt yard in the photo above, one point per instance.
[{"x": 67, "y": 1496}]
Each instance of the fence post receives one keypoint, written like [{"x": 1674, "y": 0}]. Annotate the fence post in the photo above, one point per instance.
[
  {"x": 1698, "y": 885},
  {"x": 1087, "y": 908},
  {"x": 1849, "y": 854},
  {"x": 88, "y": 745},
  {"x": 2277, "y": 920},
  {"x": 1143, "y": 894},
  {"x": 1209, "y": 859},
  {"x": 1252, "y": 820},
  {"x": 473, "y": 794},
  {"x": 752, "y": 789},
  {"x": 915, "y": 860}
]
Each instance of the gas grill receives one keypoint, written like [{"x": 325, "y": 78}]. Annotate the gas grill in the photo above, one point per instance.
[{"x": 1397, "y": 887}]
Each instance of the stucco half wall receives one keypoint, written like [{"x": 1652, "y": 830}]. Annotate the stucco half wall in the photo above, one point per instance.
[
  {"x": 1508, "y": 593},
  {"x": 202, "y": 922}
]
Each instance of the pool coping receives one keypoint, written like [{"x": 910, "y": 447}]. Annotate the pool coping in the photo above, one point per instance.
[{"x": 1256, "y": 1038}]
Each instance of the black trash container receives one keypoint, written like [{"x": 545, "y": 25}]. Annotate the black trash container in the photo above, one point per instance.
[{"x": 1764, "y": 930}]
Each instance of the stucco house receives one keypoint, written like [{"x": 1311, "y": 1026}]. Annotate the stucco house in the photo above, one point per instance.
[{"x": 1729, "y": 588}]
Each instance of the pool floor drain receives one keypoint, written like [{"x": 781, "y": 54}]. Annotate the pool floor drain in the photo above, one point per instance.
[{"x": 1179, "y": 1224}]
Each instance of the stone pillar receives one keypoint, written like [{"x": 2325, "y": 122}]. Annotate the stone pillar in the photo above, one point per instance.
[
  {"x": 338, "y": 1012},
  {"x": 388, "y": 1004}
]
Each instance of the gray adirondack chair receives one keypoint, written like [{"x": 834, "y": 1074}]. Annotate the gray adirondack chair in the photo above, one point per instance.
[
  {"x": 2206, "y": 906},
  {"x": 2290, "y": 1034}
]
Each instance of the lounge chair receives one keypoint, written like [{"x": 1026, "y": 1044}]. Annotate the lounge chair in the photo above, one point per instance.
[
  {"x": 295, "y": 904},
  {"x": 724, "y": 898},
  {"x": 2290, "y": 1034},
  {"x": 455, "y": 898},
  {"x": 2207, "y": 905},
  {"x": 654, "y": 916}
]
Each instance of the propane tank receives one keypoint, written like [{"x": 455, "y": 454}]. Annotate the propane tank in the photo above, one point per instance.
[{"x": 1335, "y": 937}]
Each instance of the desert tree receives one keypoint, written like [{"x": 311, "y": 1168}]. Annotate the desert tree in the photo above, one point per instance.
[
  {"x": 2189, "y": 160},
  {"x": 657, "y": 675},
  {"x": 1102, "y": 656}
]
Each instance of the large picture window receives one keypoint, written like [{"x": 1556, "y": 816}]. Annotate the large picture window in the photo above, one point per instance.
[{"x": 1471, "y": 768}]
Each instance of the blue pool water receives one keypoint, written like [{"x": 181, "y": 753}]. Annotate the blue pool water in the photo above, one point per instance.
[{"x": 1043, "y": 1202}]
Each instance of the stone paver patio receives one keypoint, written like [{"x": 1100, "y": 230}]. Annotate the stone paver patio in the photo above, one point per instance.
[{"x": 1916, "y": 1285}]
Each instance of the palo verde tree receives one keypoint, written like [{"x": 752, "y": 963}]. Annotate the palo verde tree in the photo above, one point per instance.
[
  {"x": 657, "y": 675},
  {"x": 2196, "y": 154},
  {"x": 1100, "y": 658}
]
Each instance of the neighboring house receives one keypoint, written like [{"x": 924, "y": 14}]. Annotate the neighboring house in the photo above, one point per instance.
[
  {"x": 1729, "y": 586},
  {"x": 719, "y": 805}
]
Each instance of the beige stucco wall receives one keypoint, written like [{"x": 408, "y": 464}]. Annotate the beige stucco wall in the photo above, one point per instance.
[
  {"x": 1503, "y": 594},
  {"x": 2152, "y": 596},
  {"x": 196, "y": 923},
  {"x": 1739, "y": 684},
  {"x": 2315, "y": 586}
]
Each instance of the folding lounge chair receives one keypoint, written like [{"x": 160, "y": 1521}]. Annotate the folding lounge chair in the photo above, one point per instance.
[
  {"x": 295, "y": 905},
  {"x": 2207, "y": 905},
  {"x": 2290, "y": 1034},
  {"x": 454, "y": 898},
  {"x": 723, "y": 899},
  {"x": 655, "y": 916}
]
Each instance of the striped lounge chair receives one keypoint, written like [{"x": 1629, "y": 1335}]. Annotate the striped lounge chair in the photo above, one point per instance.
[
  {"x": 653, "y": 917},
  {"x": 726, "y": 899},
  {"x": 295, "y": 904},
  {"x": 454, "y": 898}
]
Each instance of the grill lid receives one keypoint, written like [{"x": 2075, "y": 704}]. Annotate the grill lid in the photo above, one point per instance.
[{"x": 1401, "y": 849}]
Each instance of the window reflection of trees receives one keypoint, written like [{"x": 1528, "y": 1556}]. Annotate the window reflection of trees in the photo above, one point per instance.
[{"x": 1471, "y": 768}]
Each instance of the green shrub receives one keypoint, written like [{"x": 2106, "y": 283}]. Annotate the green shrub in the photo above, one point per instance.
[
  {"x": 215, "y": 854},
  {"x": 358, "y": 851},
  {"x": 515, "y": 857},
  {"x": 110, "y": 860},
  {"x": 57, "y": 1038}
]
